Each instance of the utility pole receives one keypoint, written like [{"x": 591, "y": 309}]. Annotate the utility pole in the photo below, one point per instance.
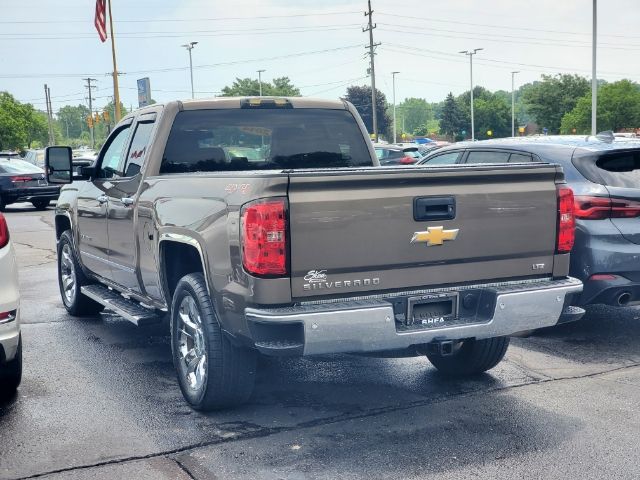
[
  {"x": 395, "y": 135},
  {"x": 90, "y": 88},
  {"x": 471, "y": 54},
  {"x": 189, "y": 46},
  {"x": 513, "y": 104},
  {"x": 260, "y": 72},
  {"x": 594, "y": 77},
  {"x": 47, "y": 99},
  {"x": 371, "y": 54}
]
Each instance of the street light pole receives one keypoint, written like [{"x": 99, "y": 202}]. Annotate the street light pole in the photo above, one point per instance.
[
  {"x": 594, "y": 77},
  {"x": 513, "y": 104},
  {"x": 395, "y": 135},
  {"x": 471, "y": 54},
  {"x": 189, "y": 46},
  {"x": 260, "y": 81}
]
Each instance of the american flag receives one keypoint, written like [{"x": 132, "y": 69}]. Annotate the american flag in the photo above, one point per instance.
[{"x": 101, "y": 19}]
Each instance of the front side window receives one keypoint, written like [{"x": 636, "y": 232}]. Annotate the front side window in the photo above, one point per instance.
[
  {"x": 113, "y": 154},
  {"x": 263, "y": 139}
]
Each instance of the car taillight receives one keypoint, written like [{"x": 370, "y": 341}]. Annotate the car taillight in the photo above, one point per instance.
[
  {"x": 4, "y": 232},
  {"x": 20, "y": 179},
  {"x": 566, "y": 220},
  {"x": 407, "y": 160},
  {"x": 600, "y": 208},
  {"x": 264, "y": 237}
]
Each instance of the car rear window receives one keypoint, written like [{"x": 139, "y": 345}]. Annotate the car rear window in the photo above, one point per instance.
[
  {"x": 19, "y": 166},
  {"x": 262, "y": 139},
  {"x": 620, "y": 170}
]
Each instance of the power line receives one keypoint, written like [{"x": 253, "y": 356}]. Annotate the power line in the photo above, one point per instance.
[
  {"x": 218, "y": 19},
  {"x": 175, "y": 69},
  {"x": 502, "y": 41},
  {"x": 486, "y": 25}
]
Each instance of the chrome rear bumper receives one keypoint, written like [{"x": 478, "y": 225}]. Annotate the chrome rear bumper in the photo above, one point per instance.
[{"x": 367, "y": 325}]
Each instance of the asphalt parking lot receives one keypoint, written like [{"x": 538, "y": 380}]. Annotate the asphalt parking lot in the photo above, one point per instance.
[{"x": 100, "y": 400}]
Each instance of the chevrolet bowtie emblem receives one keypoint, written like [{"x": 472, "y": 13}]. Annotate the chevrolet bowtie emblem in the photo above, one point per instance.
[{"x": 434, "y": 236}]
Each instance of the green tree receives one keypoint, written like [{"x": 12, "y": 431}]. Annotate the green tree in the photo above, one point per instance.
[
  {"x": 551, "y": 98},
  {"x": 414, "y": 113},
  {"x": 73, "y": 120},
  {"x": 360, "y": 97},
  {"x": 618, "y": 108},
  {"x": 247, "y": 87},
  {"x": 451, "y": 121},
  {"x": 21, "y": 125}
]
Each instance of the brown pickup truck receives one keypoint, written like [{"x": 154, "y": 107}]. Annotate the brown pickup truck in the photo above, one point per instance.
[{"x": 266, "y": 225}]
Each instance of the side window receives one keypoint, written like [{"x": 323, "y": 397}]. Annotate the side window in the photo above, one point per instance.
[
  {"x": 138, "y": 148},
  {"x": 520, "y": 158},
  {"x": 113, "y": 154},
  {"x": 448, "y": 158},
  {"x": 488, "y": 157}
]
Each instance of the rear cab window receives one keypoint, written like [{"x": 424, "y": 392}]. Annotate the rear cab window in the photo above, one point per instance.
[{"x": 264, "y": 139}]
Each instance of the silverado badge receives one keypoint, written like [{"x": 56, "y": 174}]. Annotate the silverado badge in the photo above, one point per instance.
[{"x": 434, "y": 236}]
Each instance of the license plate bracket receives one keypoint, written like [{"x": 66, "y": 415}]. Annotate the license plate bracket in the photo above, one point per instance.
[{"x": 432, "y": 311}]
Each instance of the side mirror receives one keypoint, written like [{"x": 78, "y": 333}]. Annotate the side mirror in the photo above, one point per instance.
[{"x": 58, "y": 165}]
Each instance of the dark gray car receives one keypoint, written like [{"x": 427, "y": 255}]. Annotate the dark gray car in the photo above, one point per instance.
[{"x": 605, "y": 178}]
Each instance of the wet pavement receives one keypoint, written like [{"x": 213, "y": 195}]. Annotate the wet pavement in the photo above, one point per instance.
[{"x": 99, "y": 399}]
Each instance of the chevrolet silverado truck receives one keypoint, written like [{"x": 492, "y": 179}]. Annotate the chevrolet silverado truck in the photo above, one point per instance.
[{"x": 266, "y": 226}]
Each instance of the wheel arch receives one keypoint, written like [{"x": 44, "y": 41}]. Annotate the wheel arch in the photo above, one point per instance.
[
  {"x": 179, "y": 255},
  {"x": 63, "y": 223}
]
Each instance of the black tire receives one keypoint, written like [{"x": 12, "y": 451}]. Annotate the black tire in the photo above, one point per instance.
[
  {"x": 11, "y": 374},
  {"x": 76, "y": 303},
  {"x": 228, "y": 376},
  {"x": 472, "y": 358},
  {"x": 40, "y": 204},
  {"x": 3, "y": 205}
]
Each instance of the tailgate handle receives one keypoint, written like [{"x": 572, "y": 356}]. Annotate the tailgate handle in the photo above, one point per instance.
[{"x": 434, "y": 208}]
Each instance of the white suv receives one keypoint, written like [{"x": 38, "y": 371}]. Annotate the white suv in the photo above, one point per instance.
[{"x": 10, "y": 340}]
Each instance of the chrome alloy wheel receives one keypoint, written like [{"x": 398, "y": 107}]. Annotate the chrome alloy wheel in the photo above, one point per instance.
[
  {"x": 68, "y": 274},
  {"x": 192, "y": 350}
]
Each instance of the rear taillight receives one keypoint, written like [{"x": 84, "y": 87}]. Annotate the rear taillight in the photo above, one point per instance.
[
  {"x": 566, "y": 220},
  {"x": 20, "y": 179},
  {"x": 407, "y": 160},
  {"x": 4, "y": 232},
  {"x": 599, "y": 208},
  {"x": 264, "y": 237}
]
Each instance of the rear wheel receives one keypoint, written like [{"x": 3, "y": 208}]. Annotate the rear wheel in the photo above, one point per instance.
[
  {"x": 11, "y": 374},
  {"x": 3, "y": 204},
  {"x": 71, "y": 278},
  {"x": 471, "y": 357},
  {"x": 212, "y": 372},
  {"x": 40, "y": 204}
]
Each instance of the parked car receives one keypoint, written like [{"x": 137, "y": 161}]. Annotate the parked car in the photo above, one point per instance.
[
  {"x": 305, "y": 250},
  {"x": 9, "y": 155},
  {"x": 397, "y": 155},
  {"x": 605, "y": 178},
  {"x": 21, "y": 181},
  {"x": 35, "y": 157},
  {"x": 10, "y": 339}
]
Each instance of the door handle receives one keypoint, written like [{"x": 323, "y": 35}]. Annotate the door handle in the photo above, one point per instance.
[
  {"x": 102, "y": 199},
  {"x": 127, "y": 202}
]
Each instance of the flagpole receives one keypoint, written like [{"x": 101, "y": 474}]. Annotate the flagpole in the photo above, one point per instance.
[{"x": 116, "y": 92}]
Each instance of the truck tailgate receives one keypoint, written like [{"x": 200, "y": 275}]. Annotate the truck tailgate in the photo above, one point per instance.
[{"x": 385, "y": 229}]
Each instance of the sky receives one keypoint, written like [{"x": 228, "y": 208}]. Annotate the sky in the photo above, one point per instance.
[{"x": 319, "y": 44}]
